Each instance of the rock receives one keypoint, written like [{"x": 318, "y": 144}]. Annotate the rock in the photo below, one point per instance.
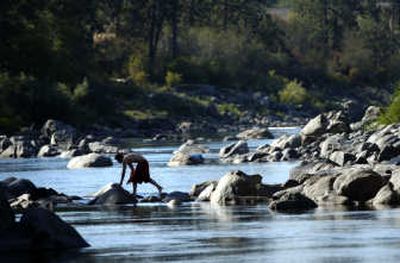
[
  {"x": 358, "y": 184},
  {"x": 319, "y": 188},
  {"x": 191, "y": 147},
  {"x": 71, "y": 153},
  {"x": 48, "y": 151},
  {"x": 150, "y": 199},
  {"x": 52, "y": 126},
  {"x": 48, "y": 231},
  {"x": 292, "y": 202},
  {"x": 19, "y": 187},
  {"x": 238, "y": 148},
  {"x": 341, "y": 158},
  {"x": 4, "y": 143},
  {"x": 304, "y": 171},
  {"x": 99, "y": 147},
  {"x": 111, "y": 141},
  {"x": 234, "y": 185},
  {"x": 255, "y": 133},
  {"x": 289, "y": 154},
  {"x": 21, "y": 148},
  {"x": 275, "y": 156},
  {"x": 181, "y": 196},
  {"x": 59, "y": 133},
  {"x": 112, "y": 194},
  {"x": 371, "y": 114},
  {"x": 331, "y": 144},
  {"x": 89, "y": 160},
  {"x": 285, "y": 141},
  {"x": 185, "y": 159},
  {"x": 338, "y": 122},
  {"x": 198, "y": 188},
  {"x": 174, "y": 202},
  {"x": 205, "y": 195},
  {"x": 7, "y": 217},
  {"x": 314, "y": 129},
  {"x": 386, "y": 196},
  {"x": 23, "y": 202}
]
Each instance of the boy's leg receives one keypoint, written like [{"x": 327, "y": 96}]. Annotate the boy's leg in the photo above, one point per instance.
[
  {"x": 134, "y": 186},
  {"x": 156, "y": 185}
]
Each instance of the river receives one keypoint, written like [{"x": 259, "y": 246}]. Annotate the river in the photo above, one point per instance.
[{"x": 201, "y": 232}]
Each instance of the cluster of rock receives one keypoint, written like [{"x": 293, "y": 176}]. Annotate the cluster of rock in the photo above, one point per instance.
[
  {"x": 22, "y": 194},
  {"x": 37, "y": 229},
  {"x": 234, "y": 188},
  {"x": 55, "y": 138}
]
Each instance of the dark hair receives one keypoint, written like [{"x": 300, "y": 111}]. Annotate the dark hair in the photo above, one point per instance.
[{"x": 119, "y": 157}]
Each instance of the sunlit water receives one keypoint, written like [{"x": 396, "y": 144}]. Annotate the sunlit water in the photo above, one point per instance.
[{"x": 200, "y": 232}]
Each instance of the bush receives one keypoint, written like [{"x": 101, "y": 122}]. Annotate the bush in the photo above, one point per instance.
[
  {"x": 137, "y": 72},
  {"x": 392, "y": 113},
  {"x": 172, "y": 78},
  {"x": 293, "y": 93}
]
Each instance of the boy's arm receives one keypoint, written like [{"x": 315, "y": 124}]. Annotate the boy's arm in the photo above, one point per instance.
[{"x": 123, "y": 173}]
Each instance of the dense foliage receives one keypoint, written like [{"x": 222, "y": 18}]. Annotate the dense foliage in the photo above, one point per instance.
[{"x": 91, "y": 61}]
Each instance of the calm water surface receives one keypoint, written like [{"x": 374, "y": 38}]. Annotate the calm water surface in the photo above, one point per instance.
[{"x": 200, "y": 232}]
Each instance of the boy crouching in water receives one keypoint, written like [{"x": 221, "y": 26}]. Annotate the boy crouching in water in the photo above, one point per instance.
[{"x": 140, "y": 174}]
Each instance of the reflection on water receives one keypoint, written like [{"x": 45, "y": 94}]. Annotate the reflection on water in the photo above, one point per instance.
[{"x": 201, "y": 232}]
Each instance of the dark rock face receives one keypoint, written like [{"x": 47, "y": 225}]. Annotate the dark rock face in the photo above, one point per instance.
[
  {"x": 7, "y": 217},
  {"x": 358, "y": 184},
  {"x": 47, "y": 231},
  {"x": 292, "y": 202}
]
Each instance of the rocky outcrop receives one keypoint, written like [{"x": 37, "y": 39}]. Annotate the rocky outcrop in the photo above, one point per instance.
[
  {"x": 112, "y": 194},
  {"x": 59, "y": 133},
  {"x": 89, "y": 160},
  {"x": 21, "y": 147}
]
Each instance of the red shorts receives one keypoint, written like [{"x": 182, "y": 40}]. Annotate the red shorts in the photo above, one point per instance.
[{"x": 141, "y": 173}]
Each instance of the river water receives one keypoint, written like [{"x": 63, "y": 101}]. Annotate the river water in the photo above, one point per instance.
[{"x": 201, "y": 232}]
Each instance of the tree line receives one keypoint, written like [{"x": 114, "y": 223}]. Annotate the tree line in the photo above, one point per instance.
[{"x": 66, "y": 59}]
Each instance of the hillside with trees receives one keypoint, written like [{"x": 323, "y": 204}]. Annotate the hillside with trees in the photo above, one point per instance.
[{"x": 119, "y": 62}]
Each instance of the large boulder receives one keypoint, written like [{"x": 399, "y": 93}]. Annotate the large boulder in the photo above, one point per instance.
[
  {"x": 59, "y": 133},
  {"x": 48, "y": 231},
  {"x": 112, "y": 194},
  {"x": 255, "y": 133},
  {"x": 292, "y": 202},
  {"x": 304, "y": 171},
  {"x": 234, "y": 185},
  {"x": 386, "y": 196},
  {"x": 233, "y": 149},
  {"x": 89, "y": 160},
  {"x": 191, "y": 147},
  {"x": 181, "y": 158},
  {"x": 358, "y": 184},
  {"x": 4, "y": 143},
  {"x": 341, "y": 158},
  {"x": 314, "y": 129}
]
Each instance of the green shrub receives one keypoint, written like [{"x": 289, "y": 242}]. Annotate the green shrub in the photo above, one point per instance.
[
  {"x": 172, "y": 78},
  {"x": 137, "y": 72},
  {"x": 392, "y": 113},
  {"x": 293, "y": 93}
]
